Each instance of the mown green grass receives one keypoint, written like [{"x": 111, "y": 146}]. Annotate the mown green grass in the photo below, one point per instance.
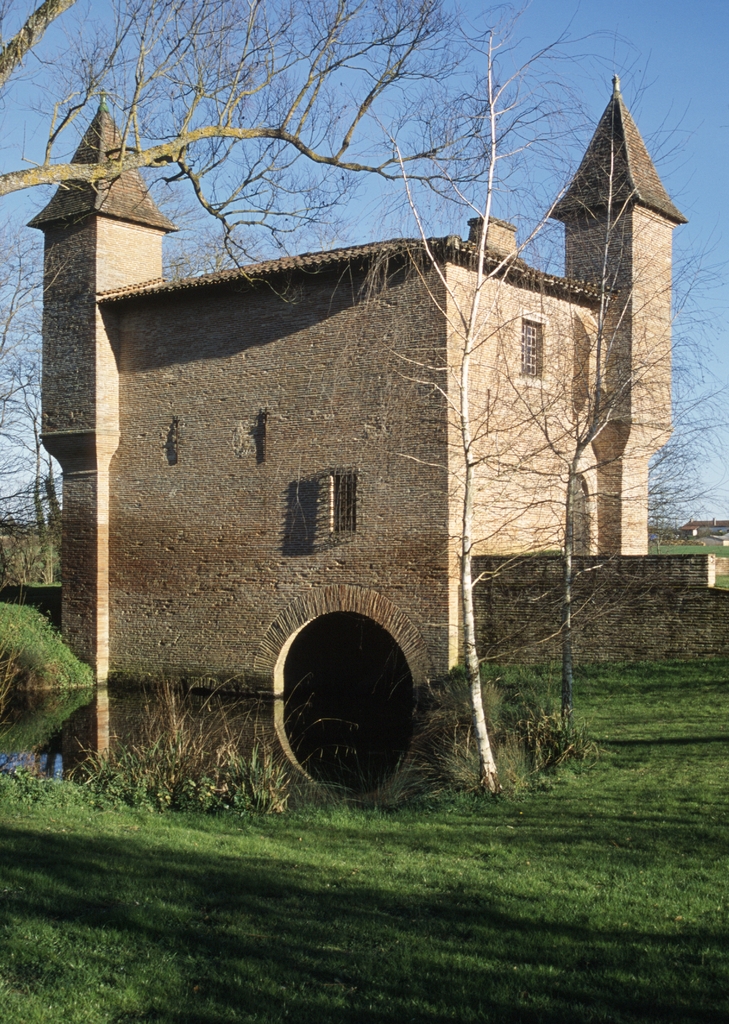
[
  {"x": 602, "y": 898},
  {"x": 691, "y": 549}
]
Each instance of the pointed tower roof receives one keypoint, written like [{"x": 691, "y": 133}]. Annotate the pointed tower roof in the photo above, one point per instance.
[
  {"x": 124, "y": 198},
  {"x": 617, "y": 144}
]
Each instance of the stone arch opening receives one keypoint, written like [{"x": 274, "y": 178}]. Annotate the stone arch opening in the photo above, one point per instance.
[{"x": 347, "y": 699}]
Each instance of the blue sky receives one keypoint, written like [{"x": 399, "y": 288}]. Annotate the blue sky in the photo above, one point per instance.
[{"x": 673, "y": 61}]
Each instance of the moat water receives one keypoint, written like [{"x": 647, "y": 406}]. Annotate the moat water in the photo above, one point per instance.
[
  {"x": 347, "y": 738},
  {"x": 344, "y": 712},
  {"x": 51, "y": 733}
]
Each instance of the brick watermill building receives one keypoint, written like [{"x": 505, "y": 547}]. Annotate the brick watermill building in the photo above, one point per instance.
[{"x": 258, "y": 488}]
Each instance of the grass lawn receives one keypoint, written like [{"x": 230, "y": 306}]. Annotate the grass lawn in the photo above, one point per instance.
[
  {"x": 691, "y": 549},
  {"x": 603, "y": 898}
]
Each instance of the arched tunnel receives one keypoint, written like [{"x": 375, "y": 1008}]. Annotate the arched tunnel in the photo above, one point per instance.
[{"x": 348, "y": 699}]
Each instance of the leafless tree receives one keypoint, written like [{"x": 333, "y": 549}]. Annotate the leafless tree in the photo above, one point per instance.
[
  {"x": 506, "y": 119},
  {"x": 586, "y": 430},
  {"x": 29, "y": 504},
  {"x": 267, "y": 109}
]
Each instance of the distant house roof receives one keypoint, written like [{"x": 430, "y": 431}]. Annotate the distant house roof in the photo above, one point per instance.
[
  {"x": 361, "y": 257},
  {"x": 705, "y": 524},
  {"x": 124, "y": 198},
  {"x": 616, "y": 168}
]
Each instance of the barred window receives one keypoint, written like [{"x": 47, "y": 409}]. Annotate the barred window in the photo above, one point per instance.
[
  {"x": 531, "y": 348},
  {"x": 343, "y": 497},
  {"x": 260, "y": 435}
]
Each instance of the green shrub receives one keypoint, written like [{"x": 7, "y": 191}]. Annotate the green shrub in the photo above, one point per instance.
[
  {"x": 27, "y": 789},
  {"x": 38, "y": 653}
]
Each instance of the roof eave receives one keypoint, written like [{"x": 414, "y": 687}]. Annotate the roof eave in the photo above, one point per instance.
[
  {"x": 565, "y": 211},
  {"x": 318, "y": 264},
  {"x": 41, "y": 222}
]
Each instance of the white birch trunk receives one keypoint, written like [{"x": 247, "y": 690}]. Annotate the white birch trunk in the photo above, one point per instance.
[
  {"x": 569, "y": 539},
  {"x": 488, "y": 773}
]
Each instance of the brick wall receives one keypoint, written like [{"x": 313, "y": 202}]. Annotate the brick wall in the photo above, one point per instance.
[
  {"x": 625, "y": 609},
  {"x": 637, "y": 359},
  {"x": 214, "y": 535},
  {"x": 233, "y": 403},
  {"x": 80, "y": 403}
]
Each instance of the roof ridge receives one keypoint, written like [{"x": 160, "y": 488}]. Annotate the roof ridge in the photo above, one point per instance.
[
  {"x": 623, "y": 111},
  {"x": 317, "y": 262},
  {"x": 244, "y": 271}
]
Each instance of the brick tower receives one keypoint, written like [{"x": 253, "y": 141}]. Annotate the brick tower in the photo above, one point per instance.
[
  {"x": 619, "y": 221},
  {"x": 97, "y": 237}
]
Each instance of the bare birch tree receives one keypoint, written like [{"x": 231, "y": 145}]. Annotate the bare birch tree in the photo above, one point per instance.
[
  {"x": 577, "y": 444},
  {"x": 471, "y": 311}
]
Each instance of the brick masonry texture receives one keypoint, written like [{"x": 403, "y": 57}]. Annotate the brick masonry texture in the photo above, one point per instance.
[
  {"x": 199, "y": 425},
  {"x": 625, "y": 609},
  {"x": 207, "y": 551}
]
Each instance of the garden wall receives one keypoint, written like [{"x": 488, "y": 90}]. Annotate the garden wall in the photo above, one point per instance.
[{"x": 628, "y": 608}]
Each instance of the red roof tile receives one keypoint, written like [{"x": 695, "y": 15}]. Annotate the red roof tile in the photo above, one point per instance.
[
  {"x": 449, "y": 249},
  {"x": 617, "y": 157}
]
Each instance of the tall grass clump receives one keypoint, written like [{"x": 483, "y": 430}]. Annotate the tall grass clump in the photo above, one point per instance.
[
  {"x": 185, "y": 762},
  {"x": 525, "y": 724},
  {"x": 530, "y": 736},
  {"x": 168, "y": 776},
  {"x": 359, "y": 786},
  {"x": 7, "y": 674},
  {"x": 37, "y": 655}
]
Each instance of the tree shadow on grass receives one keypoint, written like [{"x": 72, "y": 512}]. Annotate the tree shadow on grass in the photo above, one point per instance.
[{"x": 245, "y": 938}]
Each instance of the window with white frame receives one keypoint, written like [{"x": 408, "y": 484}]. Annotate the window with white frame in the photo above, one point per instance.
[{"x": 532, "y": 343}]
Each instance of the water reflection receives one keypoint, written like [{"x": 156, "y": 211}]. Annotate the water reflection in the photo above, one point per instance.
[
  {"x": 51, "y": 734},
  {"x": 47, "y": 763},
  {"x": 348, "y": 728},
  {"x": 31, "y": 733}
]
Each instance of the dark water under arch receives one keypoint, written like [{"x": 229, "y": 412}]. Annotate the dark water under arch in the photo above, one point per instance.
[{"x": 348, "y": 698}]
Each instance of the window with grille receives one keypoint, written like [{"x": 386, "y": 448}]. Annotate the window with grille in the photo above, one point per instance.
[
  {"x": 531, "y": 348},
  {"x": 343, "y": 495}
]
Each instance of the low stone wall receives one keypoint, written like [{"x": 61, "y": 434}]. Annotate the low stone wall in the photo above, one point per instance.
[
  {"x": 628, "y": 608},
  {"x": 722, "y": 564}
]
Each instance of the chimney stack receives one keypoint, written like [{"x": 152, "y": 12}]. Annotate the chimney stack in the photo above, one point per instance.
[{"x": 502, "y": 235}]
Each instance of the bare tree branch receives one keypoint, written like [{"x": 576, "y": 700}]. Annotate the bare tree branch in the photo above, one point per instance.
[{"x": 13, "y": 52}]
